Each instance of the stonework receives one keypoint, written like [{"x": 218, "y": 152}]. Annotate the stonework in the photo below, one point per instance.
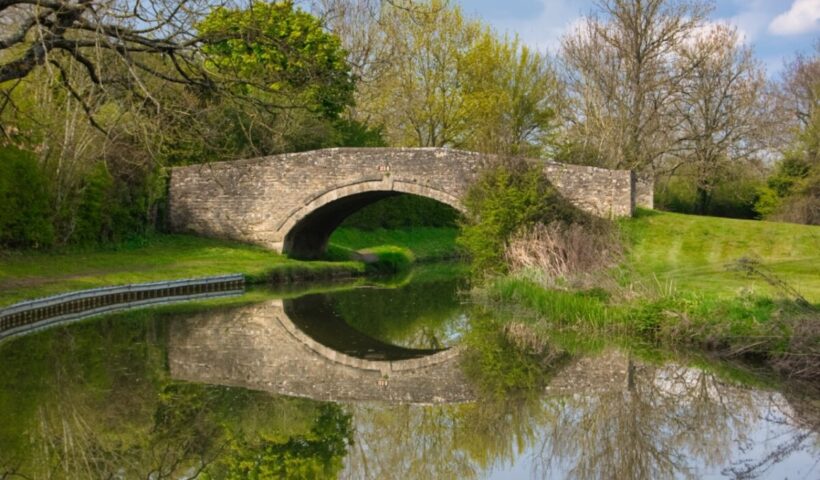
[
  {"x": 259, "y": 347},
  {"x": 300, "y": 197},
  {"x": 644, "y": 191}
]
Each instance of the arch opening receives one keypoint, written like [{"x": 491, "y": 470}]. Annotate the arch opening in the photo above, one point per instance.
[
  {"x": 309, "y": 237},
  {"x": 309, "y": 231}
]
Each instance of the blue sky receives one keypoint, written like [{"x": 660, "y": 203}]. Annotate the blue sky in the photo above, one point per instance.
[{"x": 776, "y": 29}]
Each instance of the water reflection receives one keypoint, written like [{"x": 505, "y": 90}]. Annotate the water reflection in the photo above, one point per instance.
[
  {"x": 237, "y": 392},
  {"x": 671, "y": 422},
  {"x": 262, "y": 348}
]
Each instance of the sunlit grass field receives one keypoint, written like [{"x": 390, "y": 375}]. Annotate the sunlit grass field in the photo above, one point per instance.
[
  {"x": 32, "y": 274},
  {"x": 694, "y": 253}
]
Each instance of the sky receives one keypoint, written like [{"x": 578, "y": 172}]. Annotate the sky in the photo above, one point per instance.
[{"x": 775, "y": 29}]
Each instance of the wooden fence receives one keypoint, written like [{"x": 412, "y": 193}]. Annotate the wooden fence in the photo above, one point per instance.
[{"x": 36, "y": 314}]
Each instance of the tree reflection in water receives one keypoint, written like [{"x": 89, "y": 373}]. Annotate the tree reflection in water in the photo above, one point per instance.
[
  {"x": 669, "y": 421},
  {"x": 97, "y": 400}
]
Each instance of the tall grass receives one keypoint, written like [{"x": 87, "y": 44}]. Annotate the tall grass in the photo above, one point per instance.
[
  {"x": 563, "y": 251},
  {"x": 783, "y": 333}
]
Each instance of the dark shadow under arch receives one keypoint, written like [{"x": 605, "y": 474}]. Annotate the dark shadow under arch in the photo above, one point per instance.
[
  {"x": 309, "y": 237},
  {"x": 309, "y": 229}
]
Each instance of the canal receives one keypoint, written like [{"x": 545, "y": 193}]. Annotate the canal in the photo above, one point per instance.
[{"x": 389, "y": 378}]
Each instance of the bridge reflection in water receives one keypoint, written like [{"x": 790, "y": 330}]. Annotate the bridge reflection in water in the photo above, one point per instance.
[{"x": 278, "y": 346}]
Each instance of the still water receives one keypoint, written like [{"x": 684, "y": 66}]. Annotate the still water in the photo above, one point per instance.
[{"x": 368, "y": 381}]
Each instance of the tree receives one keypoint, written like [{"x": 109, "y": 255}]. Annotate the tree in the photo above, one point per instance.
[
  {"x": 511, "y": 93},
  {"x": 116, "y": 44},
  {"x": 168, "y": 82},
  {"x": 722, "y": 110},
  {"x": 621, "y": 80},
  {"x": 432, "y": 77},
  {"x": 792, "y": 192},
  {"x": 273, "y": 49}
]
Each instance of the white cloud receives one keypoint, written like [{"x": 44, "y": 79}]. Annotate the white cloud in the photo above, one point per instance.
[
  {"x": 544, "y": 31},
  {"x": 802, "y": 17},
  {"x": 709, "y": 26}
]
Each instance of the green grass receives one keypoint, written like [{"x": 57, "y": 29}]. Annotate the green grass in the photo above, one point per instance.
[
  {"x": 692, "y": 252},
  {"x": 32, "y": 274},
  {"x": 694, "y": 302},
  {"x": 164, "y": 257},
  {"x": 425, "y": 243}
]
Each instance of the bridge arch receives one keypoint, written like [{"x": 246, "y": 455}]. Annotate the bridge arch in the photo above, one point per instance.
[
  {"x": 306, "y": 229},
  {"x": 303, "y": 195}
]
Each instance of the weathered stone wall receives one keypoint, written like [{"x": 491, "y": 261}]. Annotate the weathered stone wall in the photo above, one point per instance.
[
  {"x": 644, "y": 191},
  {"x": 261, "y": 200}
]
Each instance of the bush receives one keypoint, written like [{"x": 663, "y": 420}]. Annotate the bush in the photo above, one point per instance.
[
  {"x": 734, "y": 198},
  {"x": 389, "y": 259},
  {"x": 792, "y": 193},
  {"x": 562, "y": 251},
  {"x": 115, "y": 208},
  {"x": 507, "y": 198},
  {"x": 25, "y": 214},
  {"x": 505, "y": 360}
]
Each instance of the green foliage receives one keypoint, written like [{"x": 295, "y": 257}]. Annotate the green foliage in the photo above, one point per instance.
[
  {"x": 500, "y": 368},
  {"x": 447, "y": 79},
  {"x": 275, "y": 48},
  {"x": 25, "y": 214},
  {"x": 732, "y": 198},
  {"x": 389, "y": 259},
  {"x": 403, "y": 211},
  {"x": 795, "y": 178},
  {"x": 508, "y": 197},
  {"x": 116, "y": 208},
  {"x": 313, "y": 456},
  {"x": 353, "y": 133}
]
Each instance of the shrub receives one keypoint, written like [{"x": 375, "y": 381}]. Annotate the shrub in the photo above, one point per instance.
[
  {"x": 509, "y": 197},
  {"x": 25, "y": 214},
  {"x": 735, "y": 198},
  {"x": 559, "y": 250},
  {"x": 504, "y": 360},
  {"x": 389, "y": 259},
  {"x": 117, "y": 207}
]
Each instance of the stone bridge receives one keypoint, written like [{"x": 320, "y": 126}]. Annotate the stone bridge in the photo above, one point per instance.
[
  {"x": 261, "y": 347},
  {"x": 292, "y": 203}
]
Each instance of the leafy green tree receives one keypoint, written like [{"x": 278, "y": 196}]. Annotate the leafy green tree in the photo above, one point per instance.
[
  {"x": 511, "y": 96},
  {"x": 276, "y": 50},
  {"x": 25, "y": 217},
  {"x": 792, "y": 192},
  {"x": 317, "y": 455},
  {"x": 433, "y": 77}
]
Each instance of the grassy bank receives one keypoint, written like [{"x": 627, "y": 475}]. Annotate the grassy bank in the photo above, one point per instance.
[
  {"x": 425, "y": 243},
  {"x": 32, "y": 274},
  {"x": 674, "y": 289},
  {"x": 691, "y": 253}
]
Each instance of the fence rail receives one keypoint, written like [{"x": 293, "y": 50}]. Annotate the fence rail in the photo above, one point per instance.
[{"x": 33, "y": 315}]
